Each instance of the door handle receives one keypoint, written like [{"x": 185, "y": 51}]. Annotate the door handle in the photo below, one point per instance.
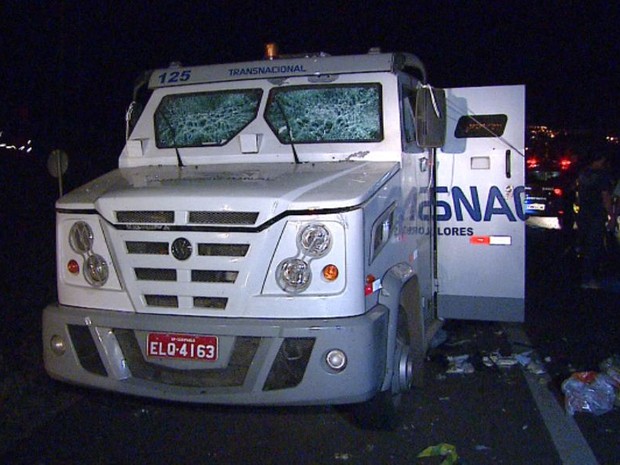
[
  {"x": 508, "y": 164},
  {"x": 423, "y": 164}
]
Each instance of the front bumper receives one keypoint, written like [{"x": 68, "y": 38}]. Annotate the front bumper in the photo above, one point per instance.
[{"x": 261, "y": 361}]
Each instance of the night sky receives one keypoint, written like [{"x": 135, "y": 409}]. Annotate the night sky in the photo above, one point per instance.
[{"x": 68, "y": 67}]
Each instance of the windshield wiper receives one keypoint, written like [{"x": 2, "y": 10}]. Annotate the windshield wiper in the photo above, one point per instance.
[
  {"x": 288, "y": 129},
  {"x": 174, "y": 139}
]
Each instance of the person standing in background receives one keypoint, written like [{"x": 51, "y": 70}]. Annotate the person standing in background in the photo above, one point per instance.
[
  {"x": 613, "y": 221},
  {"x": 594, "y": 190}
]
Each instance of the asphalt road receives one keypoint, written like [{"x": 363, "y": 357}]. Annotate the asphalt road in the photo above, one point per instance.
[
  {"x": 489, "y": 416},
  {"x": 492, "y": 415}
]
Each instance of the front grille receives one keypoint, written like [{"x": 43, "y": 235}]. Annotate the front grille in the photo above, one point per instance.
[
  {"x": 289, "y": 366},
  {"x": 155, "y": 274},
  {"x": 223, "y": 250},
  {"x": 203, "y": 282},
  {"x": 154, "y": 300},
  {"x": 233, "y": 374},
  {"x": 226, "y": 218},
  {"x": 147, "y": 248},
  {"x": 86, "y": 350},
  {"x": 219, "y": 275},
  {"x": 208, "y": 276},
  {"x": 215, "y": 303},
  {"x": 160, "y": 216}
]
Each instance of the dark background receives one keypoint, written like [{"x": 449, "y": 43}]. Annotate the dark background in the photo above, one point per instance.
[
  {"x": 67, "y": 70},
  {"x": 69, "y": 66}
]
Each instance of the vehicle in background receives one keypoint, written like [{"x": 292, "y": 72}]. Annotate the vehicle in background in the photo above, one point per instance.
[{"x": 550, "y": 193}]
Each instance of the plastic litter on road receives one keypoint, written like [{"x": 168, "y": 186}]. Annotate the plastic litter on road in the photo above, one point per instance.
[
  {"x": 498, "y": 360},
  {"x": 448, "y": 451},
  {"x": 589, "y": 391},
  {"x": 459, "y": 364}
]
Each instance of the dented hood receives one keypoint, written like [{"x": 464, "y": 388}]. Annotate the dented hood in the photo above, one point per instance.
[{"x": 266, "y": 189}]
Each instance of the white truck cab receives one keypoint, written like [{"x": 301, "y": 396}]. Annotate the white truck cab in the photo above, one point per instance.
[{"x": 290, "y": 231}]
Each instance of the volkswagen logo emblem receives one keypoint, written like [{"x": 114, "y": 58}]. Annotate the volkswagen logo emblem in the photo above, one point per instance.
[{"x": 181, "y": 249}]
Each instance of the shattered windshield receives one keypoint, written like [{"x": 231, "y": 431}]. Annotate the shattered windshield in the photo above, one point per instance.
[
  {"x": 206, "y": 118},
  {"x": 327, "y": 113}
]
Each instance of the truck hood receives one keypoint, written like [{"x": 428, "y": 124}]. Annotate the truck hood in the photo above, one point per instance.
[{"x": 266, "y": 190}]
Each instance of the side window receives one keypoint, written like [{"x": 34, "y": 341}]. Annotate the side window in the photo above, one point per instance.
[
  {"x": 480, "y": 126},
  {"x": 407, "y": 103}
]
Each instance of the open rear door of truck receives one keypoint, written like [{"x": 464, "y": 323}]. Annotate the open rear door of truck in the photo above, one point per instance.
[{"x": 480, "y": 233}]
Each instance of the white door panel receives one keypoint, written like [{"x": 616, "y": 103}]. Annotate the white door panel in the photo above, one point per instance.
[{"x": 480, "y": 236}]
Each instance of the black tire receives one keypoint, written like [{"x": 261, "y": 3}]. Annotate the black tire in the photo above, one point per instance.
[{"x": 382, "y": 412}]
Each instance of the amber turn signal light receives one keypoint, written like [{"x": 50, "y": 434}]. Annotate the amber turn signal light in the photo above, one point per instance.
[{"x": 330, "y": 272}]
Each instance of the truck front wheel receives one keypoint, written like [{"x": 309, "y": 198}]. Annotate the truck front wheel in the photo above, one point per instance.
[{"x": 382, "y": 412}]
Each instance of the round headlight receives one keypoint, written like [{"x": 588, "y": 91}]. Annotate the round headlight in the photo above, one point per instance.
[
  {"x": 96, "y": 270},
  {"x": 315, "y": 240},
  {"x": 293, "y": 275},
  {"x": 81, "y": 237}
]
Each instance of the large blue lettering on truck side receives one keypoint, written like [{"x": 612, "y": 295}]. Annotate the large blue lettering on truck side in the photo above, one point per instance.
[
  {"x": 480, "y": 232},
  {"x": 457, "y": 204}
]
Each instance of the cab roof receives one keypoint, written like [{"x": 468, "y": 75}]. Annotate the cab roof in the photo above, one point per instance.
[{"x": 308, "y": 65}]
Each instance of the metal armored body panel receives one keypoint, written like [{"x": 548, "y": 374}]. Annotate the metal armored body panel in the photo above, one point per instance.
[{"x": 479, "y": 196}]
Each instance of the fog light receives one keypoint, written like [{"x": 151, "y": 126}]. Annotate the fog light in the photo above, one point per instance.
[
  {"x": 336, "y": 359},
  {"x": 57, "y": 344}
]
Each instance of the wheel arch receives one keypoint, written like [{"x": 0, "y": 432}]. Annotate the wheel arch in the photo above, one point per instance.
[{"x": 400, "y": 293}]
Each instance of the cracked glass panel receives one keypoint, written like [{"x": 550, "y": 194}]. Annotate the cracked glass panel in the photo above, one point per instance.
[
  {"x": 207, "y": 118},
  {"x": 334, "y": 113}
]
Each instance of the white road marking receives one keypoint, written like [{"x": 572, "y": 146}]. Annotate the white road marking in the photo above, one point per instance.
[{"x": 567, "y": 438}]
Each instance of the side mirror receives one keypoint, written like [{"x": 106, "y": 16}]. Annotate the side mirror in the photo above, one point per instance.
[
  {"x": 131, "y": 117},
  {"x": 430, "y": 117}
]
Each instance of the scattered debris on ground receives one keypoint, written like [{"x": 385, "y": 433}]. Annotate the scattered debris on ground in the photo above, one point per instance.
[
  {"x": 446, "y": 451},
  {"x": 593, "y": 392}
]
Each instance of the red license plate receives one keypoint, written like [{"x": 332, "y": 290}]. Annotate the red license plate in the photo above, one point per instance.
[{"x": 182, "y": 346}]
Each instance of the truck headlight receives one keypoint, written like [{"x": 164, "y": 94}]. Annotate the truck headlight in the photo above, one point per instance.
[
  {"x": 81, "y": 240},
  {"x": 293, "y": 275},
  {"x": 314, "y": 240},
  {"x": 309, "y": 258},
  {"x": 81, "y": 237},
  {"x": 96, "y": 270}
]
